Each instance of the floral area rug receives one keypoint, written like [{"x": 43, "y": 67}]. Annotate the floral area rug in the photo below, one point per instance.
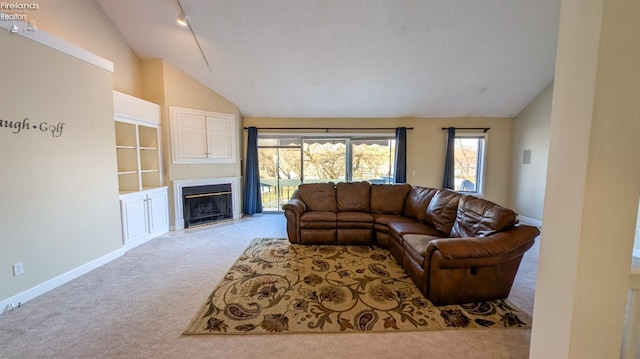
[{"x": 278, "y": 287}]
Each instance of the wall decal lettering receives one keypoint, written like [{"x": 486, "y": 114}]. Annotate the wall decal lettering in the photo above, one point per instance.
[{"x": 17, "y": 127}]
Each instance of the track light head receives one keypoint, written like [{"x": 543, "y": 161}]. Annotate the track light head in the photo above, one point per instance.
[{"x": 182, "y": 20}]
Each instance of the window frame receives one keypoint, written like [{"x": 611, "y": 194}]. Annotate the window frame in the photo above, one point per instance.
[{"x": 480, "y": 164}]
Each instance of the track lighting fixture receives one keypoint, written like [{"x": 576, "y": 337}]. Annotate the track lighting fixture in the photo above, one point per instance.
[{"x": 182, "y": 19}]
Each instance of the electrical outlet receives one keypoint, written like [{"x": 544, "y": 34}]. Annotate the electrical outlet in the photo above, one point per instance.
[{"x": 18, "y": 269}]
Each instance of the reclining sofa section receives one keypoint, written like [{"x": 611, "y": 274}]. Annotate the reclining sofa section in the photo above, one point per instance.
[{"x": 456, "y": 248}]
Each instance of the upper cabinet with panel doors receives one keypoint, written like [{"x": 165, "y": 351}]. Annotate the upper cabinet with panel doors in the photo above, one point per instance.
[{"x": 202, "y": 136}]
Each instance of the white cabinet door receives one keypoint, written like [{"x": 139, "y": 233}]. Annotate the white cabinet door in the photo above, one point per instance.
[
  {"x": 191, "y": 136},
  {"x": 134, "y": 218},
  {"x": 219, "y": 140},
  {"x": 203, "y": 137},
  {"x": 145, "y": 215},
  {"x": 158, "y": 212}
]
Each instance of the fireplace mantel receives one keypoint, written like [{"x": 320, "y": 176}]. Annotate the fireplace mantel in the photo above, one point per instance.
[{"x": 178, "y": 185}]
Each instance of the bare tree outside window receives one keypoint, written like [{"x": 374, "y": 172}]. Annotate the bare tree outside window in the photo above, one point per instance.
[
  {"x": 372, "y": 160},
  {"x": 325, "y": 160},
  {"x": 468, "y": 162}
]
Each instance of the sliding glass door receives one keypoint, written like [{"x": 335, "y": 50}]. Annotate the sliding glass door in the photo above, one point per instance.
[
  {"x": 280, "y": 170},
  {"x": 287, "y": 161}
]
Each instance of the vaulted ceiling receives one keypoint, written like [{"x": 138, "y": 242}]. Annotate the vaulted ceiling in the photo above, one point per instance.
[{"x": 354, "y": 58}]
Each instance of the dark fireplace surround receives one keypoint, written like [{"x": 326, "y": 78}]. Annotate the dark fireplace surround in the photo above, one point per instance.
[{"x": 206, "y": 204}]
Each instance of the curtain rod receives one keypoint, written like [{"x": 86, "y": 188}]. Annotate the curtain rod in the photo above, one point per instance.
[
  {"x": 485, "y": 129},
  {"x": 327, "y": 128}
]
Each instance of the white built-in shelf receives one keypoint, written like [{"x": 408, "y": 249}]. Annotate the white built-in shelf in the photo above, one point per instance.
[
  {"x": 137, "y": 125},
  {"x": 138, "y": 155}
]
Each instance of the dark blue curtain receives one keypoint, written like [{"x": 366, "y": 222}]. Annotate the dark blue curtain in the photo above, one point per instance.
[
  {"x": 400, "y": 170},
  {"x": 251, "y": 200},
  {"x": 449, "y": 180}
]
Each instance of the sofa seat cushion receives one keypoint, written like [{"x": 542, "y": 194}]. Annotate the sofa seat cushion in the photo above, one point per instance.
[
  {"x": 318, "y": 219},
  {"x": 385, "y": 219},
  {"x": 318, "y": 196},
  {"x": 477, "y": 217},
  {"x": 415, "y": 245},
  {"x": 354, "y": 217},
  {"x": 317, "y": 225},
  {"x": 401, "y": 228},
  {"x": 353, "y": 196},
  {"x": 353, "y": 220},
  {"x": 389, "y": 199},
  {"x": 319, "y": 216}
]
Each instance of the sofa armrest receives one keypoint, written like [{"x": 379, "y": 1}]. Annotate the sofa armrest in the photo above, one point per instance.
[
  {"x": 467, "y": 270},
  {"x": 516, "y": 240},
  {"x": 293, "y": 210},
  {"x": 295, "y": 205}
]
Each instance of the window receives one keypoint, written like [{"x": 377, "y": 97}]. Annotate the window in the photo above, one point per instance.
[
  {"x": 372, "y": 159},
  {"x": 324, "y": 159},
  {"x": 469, "y": 162},
  {"x": 287, "y": 161}
]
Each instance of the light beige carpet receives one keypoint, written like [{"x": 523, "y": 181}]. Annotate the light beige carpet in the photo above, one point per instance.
[{"x": 278, "y": 287}]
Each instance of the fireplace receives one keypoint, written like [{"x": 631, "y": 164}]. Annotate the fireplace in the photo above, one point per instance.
[
  {"x": 205, "y": 208},
  {"x": 206, "y": 204}
]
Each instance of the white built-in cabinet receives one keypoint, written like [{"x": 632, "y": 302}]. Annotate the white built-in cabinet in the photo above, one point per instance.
[
  {"x": 145, "y": 215},
  {"x": 202, "y": 136},
  {"x": 143, "y": 197}
]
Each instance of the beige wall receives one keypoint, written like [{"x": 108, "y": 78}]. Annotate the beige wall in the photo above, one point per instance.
[
  {"x": 59, "y": 207},
  {"x": 167, "y": 86},
  {"x": 636, "y": 243},
  {"x": 69, "y": 184},
  {"x": 587, "y": 238},
  {"x": 426, "y": 146},
  {"x": 531, "y": 132},
  {"x": 84, "y": 24}
]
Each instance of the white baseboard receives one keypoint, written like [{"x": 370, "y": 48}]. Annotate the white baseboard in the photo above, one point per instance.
[
  {"x": 530, "y": 221},
  {"x": 53, "y": 283},
  {"x": 131, "y": 245}
]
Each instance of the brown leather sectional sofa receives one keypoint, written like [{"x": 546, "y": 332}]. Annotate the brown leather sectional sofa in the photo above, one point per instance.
[{"x": 456, "y": 248}]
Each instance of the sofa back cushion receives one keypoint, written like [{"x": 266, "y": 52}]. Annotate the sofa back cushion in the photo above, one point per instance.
[
  {"x": 318, "y": 196},
  {"x": 441, "y": 212},
  {"x": 353, "y": 197},
  {"x": 388, "y": 198},
  {"x": 477, "y": 217},
  {"x": 417, "y": 202}
]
